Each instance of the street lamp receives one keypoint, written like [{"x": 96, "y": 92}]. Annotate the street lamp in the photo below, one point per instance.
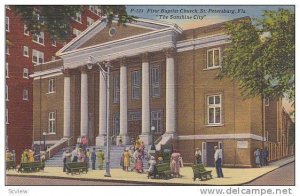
[
  {"x": 44, "y": 134},
  {"x": 152, "y": 131},
  {"x": 91, "y": 62}
]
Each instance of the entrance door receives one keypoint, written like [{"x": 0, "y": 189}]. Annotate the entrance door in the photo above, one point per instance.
[{"x": 210, "y": 153}]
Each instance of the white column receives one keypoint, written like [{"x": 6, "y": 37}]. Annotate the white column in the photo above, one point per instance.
[
  {"x": 145, "y": 137},
  {"x": 67, "y": 105},
  {"x": 170, "y": 94},
  {"x": 101, "y": 138},
  {"x": 123, "y": 104},
  {"x": 84, "y": 103}
]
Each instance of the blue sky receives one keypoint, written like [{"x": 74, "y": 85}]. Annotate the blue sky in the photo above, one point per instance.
[{"x": 204, "y": 15}]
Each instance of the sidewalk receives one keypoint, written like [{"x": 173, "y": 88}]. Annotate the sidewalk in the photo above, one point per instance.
[{"x": 233, "y": 176}]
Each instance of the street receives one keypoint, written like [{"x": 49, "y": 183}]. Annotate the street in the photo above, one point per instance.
[{"x": 282, "y": 176}]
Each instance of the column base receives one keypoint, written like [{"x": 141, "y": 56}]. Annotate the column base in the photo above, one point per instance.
[
  {"x": 122, "y": 140},
  {"x": 101, "y": 140},
  {"x": 147, "y": 139}
]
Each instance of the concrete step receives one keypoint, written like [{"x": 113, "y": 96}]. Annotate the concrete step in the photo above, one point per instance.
[{"x": 115, "y": 156}]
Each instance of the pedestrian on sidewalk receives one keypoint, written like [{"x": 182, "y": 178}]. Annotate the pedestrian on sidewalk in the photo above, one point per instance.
[
  {"x": 126, "y": 156},
  {"x": 175, "y": 163},
  {"x": 257, "y": 157},
  {"x": 81, "y": 156},
  {"x": 198, "y": 156},
  {"x": 132, "y": 159},
  {"x": 84, "y": 143},
  {"x": 122, "y": 160},
  {"x": 75, "y": 155},
  {"x": 93, "y": 159},
  {"x": 152, "y": 171},
  {"x": 64, "y": 156},
  {"x": 266, "y": 156},
  {"x": 100, "y": 157},
  {"x": 218, "y": 162},
  {"x": 139, "y": 162},
  {"x": 87, "y": 157},
  {"x": 261, "y": 159}
]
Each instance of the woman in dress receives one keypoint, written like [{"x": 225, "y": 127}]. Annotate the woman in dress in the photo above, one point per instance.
[
  {"x": 152, "y": 167},
  {"x": 139, "y": 162},
  {"x": 100, "y": 158},
  {"x": 175, "y": 163},
  {"x": 126, "y": 155}
]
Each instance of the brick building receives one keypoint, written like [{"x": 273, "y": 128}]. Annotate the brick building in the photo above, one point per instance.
[
  {"x": 161, "y": 76},
  {"x": 23, "y": 52}
]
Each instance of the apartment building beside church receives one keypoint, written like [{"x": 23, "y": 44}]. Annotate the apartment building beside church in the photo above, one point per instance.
[{"x": 161, "y": 76}]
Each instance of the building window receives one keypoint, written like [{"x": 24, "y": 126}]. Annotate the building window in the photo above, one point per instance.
[
  {"x": 156, "y": 120},
  {"x": 7, "y": 49},
  {"x": 77, "y": 17},
  {"x": 134, "y": 115},
  {"x": 52, "y": 122},
  {"x": 26, "y": 32},
  {"x": 76, "y": 32},
  {"x": 53, "y": 42},
  {"x": 6, "y": 92},
  {"x": 136, "y": 84},
  {"x": 116, "y": 81},
  {"x": 214, "y": 58},
  {"x": 6, "y": 116},
  {"x": 25, "y": 73},
  {"x": 37, "y": 57},
  {"x": 155, "y": 81},
  {"x": 267, "y": 101},
  {"x": 51, "y": 86},
  {"x": 7, "y": 24},
  {"x": 214, "y": 109},
  {"x": 95, "y": 9},
  {"x": 6, "y": 70},
  {"x": 25, "y": 95},
  {"x": 116, "y": 124},
  {"x": 25, "y": 51},
  {"x": 39, "y": 38},
  {"x": 90, "y": 21}
]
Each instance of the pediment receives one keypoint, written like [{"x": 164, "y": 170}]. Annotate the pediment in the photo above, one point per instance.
[{"x": 101, "y": 33}]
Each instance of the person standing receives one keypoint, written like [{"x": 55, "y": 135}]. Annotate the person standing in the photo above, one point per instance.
[
  {"x": 152, "y": 167},
  {"x": 198, "y": 156},
  {"x": 64, "y": 160},
  {"x": 24, "y": 158},
  {"x": 138, "y": 162},
  {"x": 257, "y": 157},
  {"x": 100, "y": 157},
  {"x": 266, "y": 156},
  {"x": 84, "y": 143},
  {"x": 175, "y": 163},
  {"x": 87, "y": 157},
  {"x": 218, "y": 162},
  {"x": 93, "y": 159},
  {"x": 74, "y": 155},
  {"x": 31, "y": 155},
  {"x": 126, "y": 156}
]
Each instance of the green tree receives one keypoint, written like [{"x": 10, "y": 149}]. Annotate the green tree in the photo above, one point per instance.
[
  {"x": 261, "y": 56},
  {"x": 56, "y": 20}
]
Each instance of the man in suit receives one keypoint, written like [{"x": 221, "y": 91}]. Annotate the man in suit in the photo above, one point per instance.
[{"x": 93, "y": 159}]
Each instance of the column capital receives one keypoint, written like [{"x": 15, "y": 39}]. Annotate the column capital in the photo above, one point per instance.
[
  {"x": 170, "y": 52},
  {"x": 122, "y": 61},
  {"x": 66, "y": 72},
  {"x": 83, "y": 69},
  {"x": 145, "y": 57}
]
